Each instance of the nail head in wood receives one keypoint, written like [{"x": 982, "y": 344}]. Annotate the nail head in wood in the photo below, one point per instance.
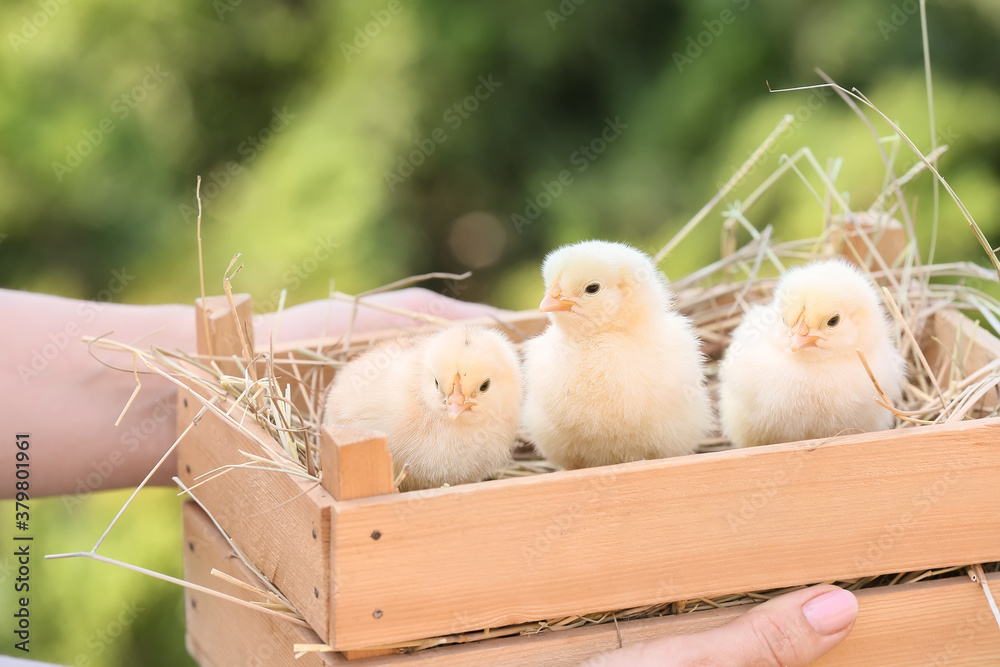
[
  {"x": 377, "y": 613},
  {"x": 376, "y": 534}
]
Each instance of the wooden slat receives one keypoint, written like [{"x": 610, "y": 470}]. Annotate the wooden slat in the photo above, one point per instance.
[
  {"x": 222, "y": 328},
  {"x": 509, "y": 551},
  {"x": 281, "y": 522},
  {"x": 220, "y": 633},
  {"x": 360, "y": 655},
  {"x": 899, "y": 626},
  {"x": 962, "y": 344},
  {"x": 519, "y": 326},
  {"x": 885, "y": 233},
  {"x": 946, "y": 622},
  {"x": 356, "y": 463}
]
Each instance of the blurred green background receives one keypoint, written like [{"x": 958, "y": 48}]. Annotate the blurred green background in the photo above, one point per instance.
[{"x": 329, "y": 153}]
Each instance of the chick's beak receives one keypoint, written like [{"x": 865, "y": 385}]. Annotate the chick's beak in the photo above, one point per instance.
[
  {"x": 554, "y": 301},
  {"x": 800, "y": 336},
  {"x": 456, "y": 401}
]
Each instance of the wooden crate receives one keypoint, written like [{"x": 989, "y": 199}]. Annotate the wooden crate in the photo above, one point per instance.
[{"x": 368, "y": 567}]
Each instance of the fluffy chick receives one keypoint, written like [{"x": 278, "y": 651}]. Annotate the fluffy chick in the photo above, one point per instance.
[
  {"x": 448, "y": 403},
  {"x": 617, "y": 376},
  {"x": 791, "y": 371}
]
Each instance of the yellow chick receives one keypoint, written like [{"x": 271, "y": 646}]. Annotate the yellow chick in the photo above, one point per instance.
[
  {"x": 791, "y": 371},
  {"x": 617, "y": 376},
  {"x": 448, "y": 403}
]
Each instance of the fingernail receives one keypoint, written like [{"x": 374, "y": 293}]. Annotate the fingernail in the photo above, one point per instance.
[{"x": 831, "y": 612}]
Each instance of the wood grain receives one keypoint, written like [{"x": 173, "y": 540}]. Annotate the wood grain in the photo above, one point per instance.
[
  {"x": 219, "y": 633},
  {"x": 509, "y": 551},
  {"x": 281, "y": 522},
  {"x": 885, "y": 233},
  {"x": 223, "y": 329},
  {"x": 946, "y": 621},
  {"x": 961, "y": 345},
  {"x": 356, "y": 463},
  {"x": 518, "y": 326}
]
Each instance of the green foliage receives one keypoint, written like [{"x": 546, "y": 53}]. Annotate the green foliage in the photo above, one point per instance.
[{"x": 297, "y": 122}]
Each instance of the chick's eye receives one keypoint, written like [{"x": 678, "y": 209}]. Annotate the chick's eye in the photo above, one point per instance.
[
  {"x": 593, "y": 288},
  {"x": 436, "y": 385},
  {"x": 484, "y": 386},
  {"x": 833, "y": 321}
]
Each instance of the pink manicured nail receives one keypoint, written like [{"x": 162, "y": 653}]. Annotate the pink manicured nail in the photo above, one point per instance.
[{"x": 831, "y": 612}]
